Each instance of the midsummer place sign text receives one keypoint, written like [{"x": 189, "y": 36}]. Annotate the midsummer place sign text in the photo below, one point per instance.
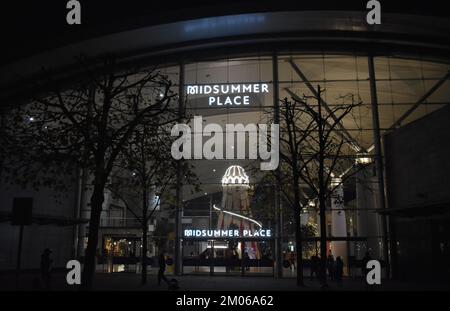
[
  {"x": 228, "y": 94},
  {"x": 230, "y": 233}
]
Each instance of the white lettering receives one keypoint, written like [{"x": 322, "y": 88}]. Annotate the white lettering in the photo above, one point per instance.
[
  {"x": 374, "y": 275},
  {"x": 202, "y": 233},
  {"x": 73, "y": 17},
  {"x": 183, "y": 142},
  {"x": 374, "y": 15},
  {"x": 236, "y": 88},
  {"x": 264, "y": 88},
  {"x": 74, "y": 275},
  {"x": 258, "y": 142},
  {"x": 192, "y": 89},
  {"x": 247, "y": 88}
]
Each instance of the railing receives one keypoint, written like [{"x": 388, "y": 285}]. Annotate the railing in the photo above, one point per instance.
[
  {"x": 120, "y": 222},
  {"x": 189, "y": 261}
]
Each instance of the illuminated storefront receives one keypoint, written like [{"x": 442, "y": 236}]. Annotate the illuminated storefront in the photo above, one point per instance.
[
  {"x": 261, "y": 225},
  {"x": 354, "y": 225},
  {"x": 236, "y": 240},
  {"x": 230, "y": 73}
]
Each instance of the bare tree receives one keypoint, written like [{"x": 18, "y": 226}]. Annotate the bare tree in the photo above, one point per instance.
[
  {"x": 312, "y": 153},
  {"x": 86, "y": 124},
  {"x": 146, "y": 169}
]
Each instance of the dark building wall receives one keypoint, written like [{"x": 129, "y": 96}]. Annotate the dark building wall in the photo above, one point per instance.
[
  {"x": 45, "y": 232},
  {"x": 418, "y": 162},
  {"x": 417, "y": 178}
]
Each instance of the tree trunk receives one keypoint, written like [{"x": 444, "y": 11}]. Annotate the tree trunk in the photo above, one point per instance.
[
  {"x": 323, "y": 240},
  {"x": 144, "y": 237},
  {"x": 298, "y": 226},
  {"x": 322, "y": 191},
  {"x": 298, "y": 242},
  {"x": 97, "y": 199}
]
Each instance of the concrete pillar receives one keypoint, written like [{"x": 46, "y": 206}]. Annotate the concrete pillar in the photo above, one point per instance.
[
  {"x": 338, "y": 221},
  {"x": 368, "y": 221},
  {"x": 304, "y": 220},
  {"x": 85, "y": 196}
]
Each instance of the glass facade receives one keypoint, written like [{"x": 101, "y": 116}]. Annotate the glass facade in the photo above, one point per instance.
[
  {"x": 225, "y": 146},
  {"x": 247, "y": 91},
  {"x": 406, "y": 91}
]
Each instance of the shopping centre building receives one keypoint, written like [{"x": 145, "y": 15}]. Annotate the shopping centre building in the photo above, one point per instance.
[{"x": 390, "y": 193}]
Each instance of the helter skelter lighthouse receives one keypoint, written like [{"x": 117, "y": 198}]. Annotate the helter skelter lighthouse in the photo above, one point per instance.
[{"x": 235, "y": 212}]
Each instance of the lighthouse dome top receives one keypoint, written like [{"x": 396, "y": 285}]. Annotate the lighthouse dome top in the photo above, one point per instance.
[{"x": 236, "y": 175}]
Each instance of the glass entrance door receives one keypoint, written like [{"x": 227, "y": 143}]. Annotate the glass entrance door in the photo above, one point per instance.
[{"x": 228, "y": 257}]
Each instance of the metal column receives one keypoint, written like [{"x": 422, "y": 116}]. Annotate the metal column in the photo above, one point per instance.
[
  {"x": 379, "y": 159},
  {"x": 178, "y": 254},
  {"x": 278, "y": 227}
]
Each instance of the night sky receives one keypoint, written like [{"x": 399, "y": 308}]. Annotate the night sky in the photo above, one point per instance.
[{"x": 28, "y": 27}]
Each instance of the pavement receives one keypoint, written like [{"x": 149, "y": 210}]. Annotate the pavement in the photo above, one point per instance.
[{"x": 131, "y": 282}]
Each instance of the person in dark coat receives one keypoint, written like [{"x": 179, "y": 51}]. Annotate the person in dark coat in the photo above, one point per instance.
[
  {"x": 246, "y": 261},
  {"x": 162, "y": 268},
  {"x": 314, "y": 266},
  {"x": 46, "y": 268},
  {"x": 331, "y": 267},
  {"x": 339, "y": 269},
  {"x": 364, "y": 262}
]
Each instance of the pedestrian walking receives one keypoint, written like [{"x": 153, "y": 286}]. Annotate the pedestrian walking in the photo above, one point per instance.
[
  {"x": 331, "y": 266},
  {"x": 46, "y": 268},
  {"x": 162, "y": 268},
  {"x": 339, "y": 269}
]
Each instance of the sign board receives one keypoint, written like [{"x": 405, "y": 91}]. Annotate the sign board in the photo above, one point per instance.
[
  {"x": 231, "y": 233},
  {"x": 228, "y": 94},
  {"x": 22, "y": 211}
]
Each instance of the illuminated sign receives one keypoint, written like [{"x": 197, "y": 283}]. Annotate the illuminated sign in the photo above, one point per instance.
[
  {"x": 228, "y": 94},
  {"x": 230, "y": 233}
]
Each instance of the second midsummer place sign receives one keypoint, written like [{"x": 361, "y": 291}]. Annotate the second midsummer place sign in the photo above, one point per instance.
[
  {"x": 230, "y": 233},
  {"x": 228, "y": 94}
]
